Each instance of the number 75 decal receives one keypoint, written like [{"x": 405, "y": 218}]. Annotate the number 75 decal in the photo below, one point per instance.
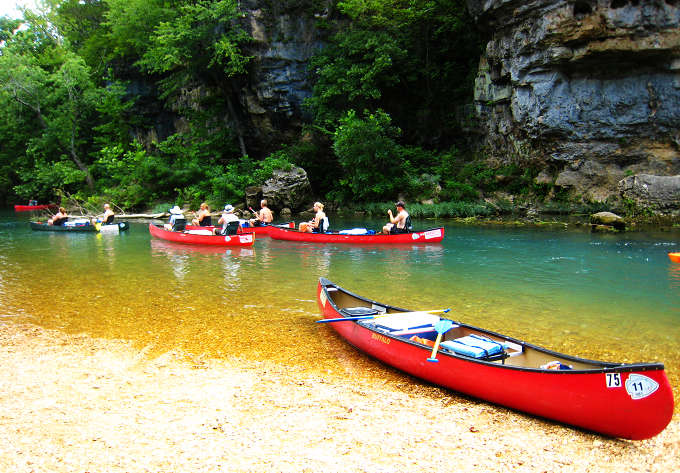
[
  {"x": 613, "y": 380},
  {"x": 637, "y": 385}
]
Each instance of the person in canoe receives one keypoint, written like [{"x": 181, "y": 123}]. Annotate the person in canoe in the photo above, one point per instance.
[
  {"x": 177, "y": 222},
  {"x": 263, "y": 217},
  {"x": 108, "y": 216},
  {"x": 59, "y": 218},
  {"x": 229, "y": 221},
  {"x": 400, "y": 223},
  {"x": 319, "y": 224},
  {"x": 203, "y": 217}
]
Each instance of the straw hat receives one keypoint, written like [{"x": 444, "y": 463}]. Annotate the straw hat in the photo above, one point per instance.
[{"x": 176, "y": 210}]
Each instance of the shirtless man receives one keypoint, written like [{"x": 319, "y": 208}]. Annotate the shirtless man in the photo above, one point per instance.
[
  {"x": 397, "y": 223},
  {"x": 264, "y": 216}
]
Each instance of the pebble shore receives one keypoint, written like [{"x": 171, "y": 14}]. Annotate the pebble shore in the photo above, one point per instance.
[{"x": 71, "y": 403}]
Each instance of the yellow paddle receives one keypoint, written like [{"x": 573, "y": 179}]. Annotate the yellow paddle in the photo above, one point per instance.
[{"x": 441, "y": 327}]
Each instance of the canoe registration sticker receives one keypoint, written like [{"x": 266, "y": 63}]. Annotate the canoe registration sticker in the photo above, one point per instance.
[
  {"x": 433, "y": 234},
  {"x": 246, "y": 238},
  {"x": 639, "y": 386},
  {"x": 613, "y": 380},
  {"x": 323, "y": 298}
]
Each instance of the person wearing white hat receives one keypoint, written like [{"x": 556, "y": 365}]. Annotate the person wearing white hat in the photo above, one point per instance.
[
  {"x": 228, "y": 217},
  {"x": 177, "y": 222}
]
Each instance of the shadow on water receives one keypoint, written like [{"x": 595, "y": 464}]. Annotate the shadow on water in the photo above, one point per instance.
[{"x": 607, "y": 297}]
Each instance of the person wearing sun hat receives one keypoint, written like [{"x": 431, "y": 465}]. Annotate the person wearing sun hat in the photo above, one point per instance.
[
  {"x": 177, "y": 221},
  {"x": 227, "y": 217}
]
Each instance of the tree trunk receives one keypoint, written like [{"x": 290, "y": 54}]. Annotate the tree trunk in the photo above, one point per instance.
[{"x": 79, "y": 163}]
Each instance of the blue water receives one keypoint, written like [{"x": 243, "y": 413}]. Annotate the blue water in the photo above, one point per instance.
[{"x": 601, "y": 296}]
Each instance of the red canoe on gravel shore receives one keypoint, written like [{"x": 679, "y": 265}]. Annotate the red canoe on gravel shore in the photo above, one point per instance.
[
  {"x": 632, "y": 401},
  {"x": 261, "y": 230},
  {"x": 246, "y": 239},
  {"x": 435, "y": 235},
  {"x": 27, "y": 208}
]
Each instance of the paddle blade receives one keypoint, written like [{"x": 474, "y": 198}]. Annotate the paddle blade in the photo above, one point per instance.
[{"x": 443, "y": 326}]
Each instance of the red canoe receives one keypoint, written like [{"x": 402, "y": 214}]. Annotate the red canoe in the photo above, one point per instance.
[
  {"x": 26, "y": 208},
  {"x": 186, "y": 237},
  {"x": 674, "y": 257},
  {"x": 435, "y": 235},
  {"x": 633, "y": 401},
  {"x": 261, "y": 230}
]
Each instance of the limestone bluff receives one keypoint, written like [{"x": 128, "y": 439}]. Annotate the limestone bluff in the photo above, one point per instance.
[{"x": 589, "y": 90}]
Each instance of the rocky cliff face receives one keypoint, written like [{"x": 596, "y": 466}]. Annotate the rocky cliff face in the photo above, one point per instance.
[
  {"x": 588, "y": 89},
  {"x": 284, "y": 41}
]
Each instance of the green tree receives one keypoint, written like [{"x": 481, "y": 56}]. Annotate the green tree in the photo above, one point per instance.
[
  {"x": 369, "y": 155},
  {"x": 51, "y": 91},
  {"x": 415, "y": 59}
]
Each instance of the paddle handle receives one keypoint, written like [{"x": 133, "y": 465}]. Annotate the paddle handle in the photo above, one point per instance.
[
  {"x": 435, "y": 311},
  {"x": 345, "y": 319},
  {"x": 433, "y": 356},
  {"x": 362, "y": 317}
]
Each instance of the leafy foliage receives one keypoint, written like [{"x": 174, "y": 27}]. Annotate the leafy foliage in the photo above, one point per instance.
[
  {"x": 368, "y": 153},
  {"x": 141, "y": 102}
]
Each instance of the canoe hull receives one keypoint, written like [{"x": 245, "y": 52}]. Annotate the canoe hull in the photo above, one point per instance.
[
  {"x": 596, "y": 399},
  {"x": 674, "y": 257},
  {"x": 43, "y": 227},
  {"x": 114, "y": 228},
  {"x": 435, "y": 235},
  {"x": 28, "y": 208},
  {"x": 181, "y": 237}
]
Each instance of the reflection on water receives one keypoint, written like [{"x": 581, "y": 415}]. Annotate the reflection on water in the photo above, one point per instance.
[
  {"x": 674, "y": 276},
  {"x": 611, "y": 297}
]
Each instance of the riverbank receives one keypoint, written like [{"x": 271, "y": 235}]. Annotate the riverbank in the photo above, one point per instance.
[{"x": 74, "y": 403}]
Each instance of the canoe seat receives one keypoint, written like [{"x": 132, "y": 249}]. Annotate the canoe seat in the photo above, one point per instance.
[
  {"x": 358, "y": 311},
  {"x": 232, "y": 228},
  {"x": 179, "y": 225},
  {"x": 476, "y": 346},
  {"x": 413, "y": 322}
]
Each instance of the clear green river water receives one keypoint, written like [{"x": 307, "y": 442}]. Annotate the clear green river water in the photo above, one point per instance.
[{"x": 599, "y": 296}]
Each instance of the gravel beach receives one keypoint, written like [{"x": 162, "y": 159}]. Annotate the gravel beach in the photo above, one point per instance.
[{"x": 77, "y": 404}]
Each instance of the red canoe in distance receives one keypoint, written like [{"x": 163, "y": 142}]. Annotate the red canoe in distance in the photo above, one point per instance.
[
  {"x": 261, "y": 230},
  {"x": 28, "y": 208},
  {"x": 674, "y": 257},
  {"x": 246, "y": 239},
  {"x": 632, "y": 401},
  {"x": 434, "y": 235}
]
